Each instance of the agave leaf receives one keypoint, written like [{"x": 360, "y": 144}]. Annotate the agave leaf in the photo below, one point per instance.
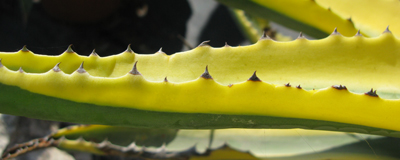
[
  {"x": 87, "y": 138},
  {"x": 252, "y": 27},
  {"x": 287, "y": 144},
  {"x": 118, "y": 135},
  {"x": 249, "y": 28},
  {"x": 359, "y": 12},
  {"x": 226, "y": 144},
  {"x": 108, "y": 91},
  {"x": 265, "y": 142},
  {"x": 318, "y": 17},
  {"x": 355, "y": 150},
  {"x": 301, "y": 15},
  {"x": 225, "y": 153}
]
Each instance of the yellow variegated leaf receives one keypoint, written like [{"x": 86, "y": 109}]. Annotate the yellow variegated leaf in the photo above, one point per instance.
[
  {"x": 318, "y": 17},
  {"x": 168, "y": 91}
]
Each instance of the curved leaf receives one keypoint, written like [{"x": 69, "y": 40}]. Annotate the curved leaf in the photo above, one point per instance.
[
  {"x": 302, "y": 15},
  {"x": 318, "y": 17},
  {"x": 105, "y": 91}
]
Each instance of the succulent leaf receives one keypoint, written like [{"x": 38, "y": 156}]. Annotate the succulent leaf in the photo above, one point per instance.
[
  {"x": 248, "y": 26},
  {"x": 93, "y": 139},
  {"x": 288, "y": 143},
  {"x": 226, "y": 144},
  {"x": 106, "y": 93},
  {"x": 359, "y": 12},
  {"x": 252, "y": 27},
  {"x": 303, "y": 15},
  {"x": 318, "y": 17},
  {"x": 118, "y": 135}
]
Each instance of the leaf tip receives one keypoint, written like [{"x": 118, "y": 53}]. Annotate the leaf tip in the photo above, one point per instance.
[
  {"x": 24, "y": 49},
  {"x": 387, "y": 30},
  {"x": 129, "y": 49},
  {"x": 254, "y": 77},
  {"x": 104, "y": 143},
  {"x": 350, "y": 20},
  {"x": 56, "y": 68},
  {"x": 265, "y": 36},
  {"x": 339, "y": 87},
  {"x": 134, "y": 70},
  {"x": 372, "y": 93},
  {"x": 301, "y": 36},
  {"x": 358, "y": 33},
  {"x": 81, "y": 69},
  {"x": 20, "y": 70},
  {"x": 69, "y": 49},
  {"x": 94, "y": 54},
  {"x": 80, "y": 139},
  {"x": 161, "y": 51},
  {"x": 204, "y": 43},
  {"x": 335, "y": 32},
  {"x": 206, "y": 74},
  {"x": 226, "y": 44}
]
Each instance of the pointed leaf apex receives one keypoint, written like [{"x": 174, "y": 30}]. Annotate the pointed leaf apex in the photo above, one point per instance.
[
  {"x": 80, "y": 139},
  {"x": 387, "y": 30},
  {"x": 131, "y": 146},
  {"x": 265, "y": 36},
  {"x": 160, "y": 51},
  {"x": 372, "y": 93},
  {"x": 81, "y": 69},
  {"x": 104, "y": 143},
  {"x": 301, "y": 36},
  {"x": 226, "y": 44},
  {"x": 163, "y": 148},
  {"x": 254, "y": 78},
  {"x": 204, "y": 43},
  {"x": 94, "y": 53},
  {"x": 129, "y": 49},
  {"x": 69, "y": 49},
  {"x": 335, "y": 32},
  {"x": 24, "y": 49},
  {"x": 56, "y": 68},
  {"x": 224, "y": 146},
  {"x": 134, "y": 70},
  {"x": 20, "y": 70},
  {"x": 358, "y": 33},
  {"x": 206, "y": 74},
  {"x": 339, "y": 87},
  {"x": 350, "y": 20}
]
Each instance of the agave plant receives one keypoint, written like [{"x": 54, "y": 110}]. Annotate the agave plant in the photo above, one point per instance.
[{"x": 345, "y": 82}]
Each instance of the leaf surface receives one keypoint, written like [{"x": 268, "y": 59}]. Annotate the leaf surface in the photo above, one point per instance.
[
  {"x": 108, "y": 91},
  {"x": 318, "y": 17}
]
